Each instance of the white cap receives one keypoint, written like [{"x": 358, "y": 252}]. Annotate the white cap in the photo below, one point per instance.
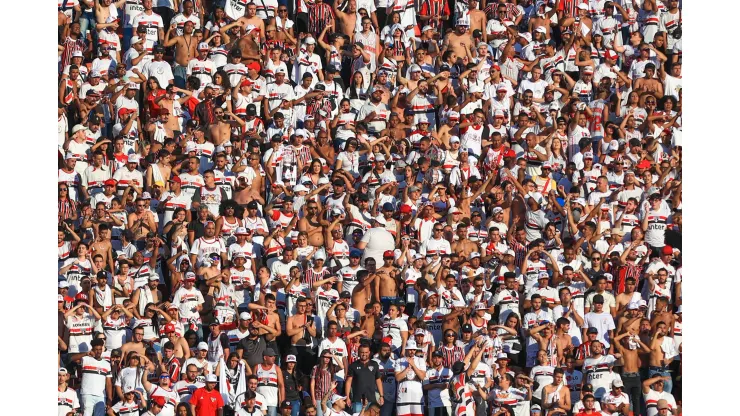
[
  {"x": 146, "y": 195},
  {"x": 77, "y": 54},
  {"x": 422, "y": 119},
  {"x": 641, "y": 250},
  {"x": 310, "y": 40},
  {"x": 381, "y": 219},
  {"x": 510, "y": 252},
  {"x": 190, "y": 147},
  {"x": 219, "y": 149},
  {"x": 323, "y": 180},
  {"x": 617, "y": 382},
  {"x": 499, "y": 113},
  {"x": 411, "y": 345},
  {"x": 415, "y": 68},
  {"x": 299, "y": 188},
  {"x": 417, "y": 256},
  {"x": 427, "y": 27},
  {"x": 244, "y": 316},
  {"x": 211, "y": 378},
  {"x": 135, "y": 39},
  {"x": 454, "y": 139},
  {"x": 583, "y": 6},
  {"x": 540, "y": 29},
  {"x": 320, "y": 255},
  {"x": 203, "y": 46},
  {"x": 588, "y": 155},
  {"x": 290, "y": 358},
  {"x": 78, "y": 127},
  {"x": 474, "y": 255},
  {"x": 301, "y": 132},
  {"x": 453, "y": 210},
  {"x": 480, "y": 306},
  {"x": 502, "y": 356},
  {"x": 202, "y": 346},
  {"x": 496, "y": 210},
  {"x": 614, "y": 145},
  {"x": 335, "y": 398},
  {"x": 633, "y": 306},
  {"x": 453, "y": 115},
  {"x": 153, "y": 277},
  {"x": 526, "y": 36},
  {"x": 379, "y": 157},
  {"x": 128, "y": 389},
  {"x": 133, "y": 158},
  {"x": 63, "y": 284},
  {"x": 476, "y": 88}
]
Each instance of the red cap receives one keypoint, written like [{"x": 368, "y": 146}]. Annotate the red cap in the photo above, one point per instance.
[
  {"x": 123, "y": 111},
  {"x": 389, "y": 254},
  {"x": 668, "y": 250},
  {"x": 246, "y": 82},
  {"x": 111, "y": 182},
  {"x": 175, "y": 179},
  {"x": 255, "y": 66},
  {"x": 405, "y": 209},
  {"x": 643, "y": 164},
  {"x": 81, "y": 297},
  {"x": 510, "y": 153},
  {"x": 169, "y": 328},
  {"x": 159, "y": 401},
  {"x": 387, "y": 340}
]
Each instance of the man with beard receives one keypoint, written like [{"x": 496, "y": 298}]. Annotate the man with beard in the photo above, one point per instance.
[{"x": 374, "y": 112}]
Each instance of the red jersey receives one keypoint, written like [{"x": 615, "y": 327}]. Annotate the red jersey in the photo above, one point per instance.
[{"x": 206, "y": 402}]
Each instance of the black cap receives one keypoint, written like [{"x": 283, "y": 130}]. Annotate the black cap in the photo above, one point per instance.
[
  {"x": 192, "y": 123},
  {"x": 277, "y": 138},
  {"x": 477, "y": 33},
  {"x": 345, "y": 295},
  {"x": 252, "y": 205},
  {"x": 285, "y": 404},
  {"x": 251, "y": 110},
  {"x": 438, "y": 353},
  {"x": 400, "y": 302},
  {"x": 592, "y": 330},
  {"x": 444, "y": 67},
  {"x": 237, "y": 53},
  {"x": 458, "y": 367},
  {"x": 102, "y": 275},
  {"x": 320, "y": 87},
  {"x": 598, "y": 299},
  {"x": 467, "y": 328},
  {"x": 363, "y": 197},
  {"x": 288, "y": 199},
  {"x": 159, "y": 49}
]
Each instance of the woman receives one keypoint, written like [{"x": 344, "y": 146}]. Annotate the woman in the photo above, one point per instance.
[
  {"x": 509, "y": 333},
  {"x": 191, "y": 337},
  {"x": 668, "y": 105},
  {"x": 183, "y": 409},
  {"x": 322, "y": 376},
  {"x": 154, "y": 91},
  {"x": 396, "y": 328},
  {"x": 218, "y": 53},
  {"x": 67, "y": 208},
  {"x": 228, "y": 221},
  {"x": 357, "y": 92},
  {"x": 344, "y": 123},
  {"x": 293, "y": 382},
  {"x": 176, "y": 228},
  {"x": 313, "y": 174},
  {"x": 557, "y": 157},
  {"x": 304, "y": 251},
  {"x": 151, "y": 323},
  {"x": 222, "y": 80},
  {"x": 338, "y": 313},
  {"x": 349, "y": 159}
]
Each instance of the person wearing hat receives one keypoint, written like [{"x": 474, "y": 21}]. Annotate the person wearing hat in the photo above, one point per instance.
[
  {"x": 410, "y": 372},
  {"x": 163, "y": 392},
  {"x": 67, "y": 398},
  {"x": 657, "y": 400},
  {"x": 598, "y": 318},
  {"x": 207, "y": 400},
  {"x": 129, "y": 402}
]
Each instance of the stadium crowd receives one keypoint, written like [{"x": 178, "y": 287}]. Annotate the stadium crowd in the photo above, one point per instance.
[{"x": 369, "y": 207}]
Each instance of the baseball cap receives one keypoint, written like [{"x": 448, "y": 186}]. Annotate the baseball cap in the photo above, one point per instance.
[
  {"x": 62, "y": 371},
  {"x": 345, "y": 295},
  {"x": 388, "y": 254},
  {"x": 286, "y": 404},
  {"x": 467, "y": 328},
  {"x": 438, "y": 353},
  {"x": 128, "y": 389},
  {"x": 245, "y": 316},
  {"x": 355, "y": 253},
  {"x": 269, "y": 352},
  {"x": 133, "y": 158},
  {"x": 411, "y": 345},
  {"x": 290, "y": 358},
  {"x": 202, "y": 346},
  {"x": 418, "y": 331},
  {"x": 159, "y": 401},
  {"x": 592, "y": 330},
  {"x": 335, "y": 398},
  {"x": 617, "y": 383},
  {"x": 211, "y": 378},
  {"x": 526, "y": 36}
]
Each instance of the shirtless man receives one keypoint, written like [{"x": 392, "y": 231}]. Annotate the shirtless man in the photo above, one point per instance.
[
  {"x": 102, "y": 246},
  {"x": 649, "y": 83},
  {"x": 556, "y": 396},
  {"x": 273, "y": 328},
  {"x": 661, "y": 313},
  {"x": 182, "y": 350},
  {"x": 250, "y": 183},
  {"x": 388, "y": 280},
  {"x": 348, "y": 19},
  {"x": 395, "y": 129},
  {"x": 136, "y": 343},
  {"x": 562, "y": 342},
  {"x": 459, "y": 41},
  {"x": 185, "y": 46},
  {"x": 630, "y": 345},
  {"x": 251, "y": 19},
  {"x": 463, "y": 246},
  {"x": 362, "y": 293},
  {"x": 477, "y": 17},
  {"x": 311, "y": 223},
  {"x": 103, "y": 8},
  {"x": 141, "y": 221},
  {"x": 299, "y": 323},
  {"x": 163, "y": 168},
  {"x": 625, "y": 298},
  {"x": 167, "y": 101},
  {"x": 220, "y": 131}
]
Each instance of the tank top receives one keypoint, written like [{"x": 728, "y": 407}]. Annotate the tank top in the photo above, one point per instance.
[
  {"x": 228, "y": 229},
  {"x": 267, "y": 384}
]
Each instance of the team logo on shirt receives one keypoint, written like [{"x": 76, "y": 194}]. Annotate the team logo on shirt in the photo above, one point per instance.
[{"x": 372, "y": 368}]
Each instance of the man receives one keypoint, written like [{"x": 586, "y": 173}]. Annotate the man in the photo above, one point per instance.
[
  {"x": 67, "y": 400},
  {"x": 600, "y": 320},
  {"x": 271, "y": 384},
  {"x": 410, "y": 372},
  {"x": 435, "y": 383},
  {"x": 616, "y": 401},
  {"x": 96, "y": 388},
  {"x": 207, "y": 401},
  {"x": 597, "y": 369},
  {"x": 656, "y": 398},
  {"x": 364, "y": 380}
]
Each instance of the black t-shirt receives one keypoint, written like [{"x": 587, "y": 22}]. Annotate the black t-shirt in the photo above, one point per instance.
[
  {"x": 363, "y": 380},
  {"x": 252, "y": 349}
]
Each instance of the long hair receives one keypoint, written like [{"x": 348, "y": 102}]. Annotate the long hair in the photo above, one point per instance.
[{"x": 183, "y": 406}]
